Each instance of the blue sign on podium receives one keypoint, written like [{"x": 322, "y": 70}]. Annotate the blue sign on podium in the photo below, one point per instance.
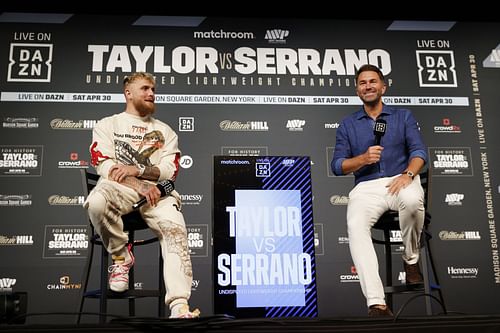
[{"x": 264, "y": 264}]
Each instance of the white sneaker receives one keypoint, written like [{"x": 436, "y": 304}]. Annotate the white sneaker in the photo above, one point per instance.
[
  {"x": 183, "y": 312},
  {"x": 118, "y": 278}
]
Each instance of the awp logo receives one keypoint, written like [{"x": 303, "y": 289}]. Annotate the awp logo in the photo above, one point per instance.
[
  {"x": 454, "y": 199},
  {"x": 436, "y": 69},
  {"x": 295, "y": 125},
  {"x": 29, "y": 62},
  {"x": 6, "y": 284},
  {"x": 277, "y": 36}
]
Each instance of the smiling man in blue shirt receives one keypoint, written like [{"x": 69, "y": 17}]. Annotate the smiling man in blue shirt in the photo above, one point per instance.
[{"x": 386, "y": 177}]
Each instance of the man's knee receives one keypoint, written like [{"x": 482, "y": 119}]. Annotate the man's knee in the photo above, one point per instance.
[
  {"x": 95, "y": 204},
  {"x": 412, "y": 204}
]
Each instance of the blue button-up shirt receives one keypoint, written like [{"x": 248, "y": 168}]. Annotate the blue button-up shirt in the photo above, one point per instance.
[{"x": 402, "y": 142}]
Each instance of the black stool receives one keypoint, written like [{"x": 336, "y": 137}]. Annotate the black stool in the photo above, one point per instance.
[
  {"x": 132, "y": 222},
  {"x": 388, "y": 222}
]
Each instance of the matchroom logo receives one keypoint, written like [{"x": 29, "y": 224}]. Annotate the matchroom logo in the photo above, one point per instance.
[
  {"x": 29, "y": 62},
  {"x": 436, "y": 69}
]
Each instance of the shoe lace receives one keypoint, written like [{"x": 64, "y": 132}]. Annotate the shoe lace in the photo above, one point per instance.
[
  {"x": 123, "y": 268},
  {"x": 118, "y": 269}
]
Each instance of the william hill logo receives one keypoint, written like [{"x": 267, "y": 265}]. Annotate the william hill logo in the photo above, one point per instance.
[
  {"x": 449, "y": 235},
  {"x": 69, "y": 124},
  {"x": 16, "y": 240},
  {"x": 233, "y": 125},
  {"x": 63, "y": 200},
  {"x": 339, "y": 200}
]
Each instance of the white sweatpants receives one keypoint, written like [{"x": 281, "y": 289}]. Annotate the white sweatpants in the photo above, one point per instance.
[
  {"x": 368, "y": 200},
  {"x": 109, "y": 200}
]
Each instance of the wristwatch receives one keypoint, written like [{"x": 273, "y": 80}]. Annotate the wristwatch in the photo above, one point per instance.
[
  {"x": 141, "y": 168},
  {"x": 410, "y": 174}
]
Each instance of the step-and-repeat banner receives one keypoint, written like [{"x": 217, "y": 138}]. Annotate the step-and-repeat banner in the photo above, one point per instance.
[{"x": 243, "y": 87}]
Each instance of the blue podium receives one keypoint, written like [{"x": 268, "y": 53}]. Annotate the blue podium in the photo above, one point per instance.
[{"x": 263, "y": 237}]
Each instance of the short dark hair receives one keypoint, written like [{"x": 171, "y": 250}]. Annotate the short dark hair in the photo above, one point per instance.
[{"x": 370, "y": 68}]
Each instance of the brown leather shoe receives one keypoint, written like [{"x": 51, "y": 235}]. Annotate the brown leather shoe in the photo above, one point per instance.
[
  {"x": 413, "y": 275},
  {"x": 379, "y": 310}
]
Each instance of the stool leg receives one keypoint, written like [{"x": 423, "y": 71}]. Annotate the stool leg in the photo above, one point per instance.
[
  {"x": 131, "y": 277},
  {"x": 103, "y": 302},
  {"x": 85, "y": 279},
  {"x": 161, "y": 287},
  {"x": 426, "y": 275},
  {"x": 131, "y": 286},
  {"x": 434, "y": 274},
  {"x": 388, "y": 264}
]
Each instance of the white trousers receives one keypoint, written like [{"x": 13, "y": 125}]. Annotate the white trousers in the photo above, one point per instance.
[
  {"x": 368, "y": 200},
  {"x": 109, "y": 200}
]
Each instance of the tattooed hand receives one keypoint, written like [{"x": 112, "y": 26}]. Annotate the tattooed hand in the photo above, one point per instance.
[{"x": 118, "y": 172}]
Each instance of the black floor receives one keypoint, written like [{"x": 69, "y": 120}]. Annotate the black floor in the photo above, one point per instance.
[{"x": 433, "y": 324}]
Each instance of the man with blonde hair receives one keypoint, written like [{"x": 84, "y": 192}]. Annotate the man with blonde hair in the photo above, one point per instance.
[{"x": 132, "y": 151}]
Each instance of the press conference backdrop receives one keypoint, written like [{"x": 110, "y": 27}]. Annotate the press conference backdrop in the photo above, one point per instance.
[{"x": 243, "y": 87}]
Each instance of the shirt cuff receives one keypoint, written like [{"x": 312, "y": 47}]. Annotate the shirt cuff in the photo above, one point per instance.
[{"x": 337, "y": 167}]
